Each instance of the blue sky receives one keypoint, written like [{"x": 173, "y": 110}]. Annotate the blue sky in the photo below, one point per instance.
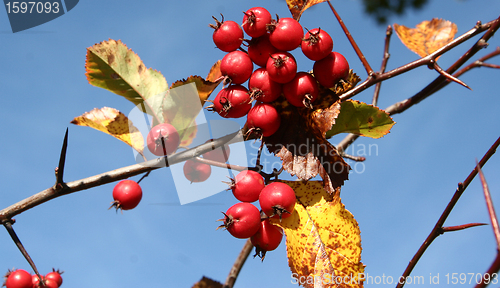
[{"x": 396, "y": 195}]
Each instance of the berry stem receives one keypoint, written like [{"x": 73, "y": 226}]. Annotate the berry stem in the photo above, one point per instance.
[{"x": 13, "y": 235}]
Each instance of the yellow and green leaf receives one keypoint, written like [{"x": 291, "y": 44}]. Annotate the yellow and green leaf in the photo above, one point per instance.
[
  {"x": 361, "y": 119},
  {"x": 322, "y": 238},
  {"x": 114, "y": 123},
  {"x": 113, "y": 66}
]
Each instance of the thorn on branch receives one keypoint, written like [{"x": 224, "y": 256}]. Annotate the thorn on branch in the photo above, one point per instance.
[
  {"x": 447, "y": 75},
  {"x": 460, "y": 227},
  {"x": 59, "y": 171}
]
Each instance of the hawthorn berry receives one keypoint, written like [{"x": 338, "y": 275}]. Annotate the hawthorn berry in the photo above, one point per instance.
[
  {"x": 262, "y": 88},
  {"x": 228, "y": 35},
  {"x": 281, "y": 67},
  {"x": 242, "y": 220},
  {"x": 302, "y": 90},
  {"x": 50, "y": 283},
  {"x": 36, "y": 281},
  {"x": 317, "y": 44},
  {"x": 277, "y": 200},
  {"x": 260, "y": 48},
  {"x": 237, "y": 66},
  {"x": 247, "y": 185},
  {"x": 163, "y": 139},
  {"x": 286, "y": 34},
  {"x": 268, "y": 238},
  {"x": 19, "y": 279},
  {"x": 255, "y": 21},
  {"x": 220, "y": 154},
  {"x": 195, "y": 171},
  {"x": 232, "y": 102},
  {"x": 127, "y": 195},
  {"x": 263, "y": 119},
  {"x": 56, "y": 276},
  {"x": 331, "y": 69}
]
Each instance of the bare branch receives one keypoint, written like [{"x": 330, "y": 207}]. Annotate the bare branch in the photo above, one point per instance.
[
  {"x": 369, "y": 69},
  {"x": 491, "y": 209},
  {"x": 460, "y": 227},
  {"x": 385, "y": 59},
  {"x": 436, "y": 231},
  {"x": 238, "y": 264}
]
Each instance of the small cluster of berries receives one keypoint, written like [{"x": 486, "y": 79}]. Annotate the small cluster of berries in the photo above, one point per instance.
[
  {"x": 269, "y": 47},
  {"x": 244, "y": 220},
  {"x": 23, "y": 279}
]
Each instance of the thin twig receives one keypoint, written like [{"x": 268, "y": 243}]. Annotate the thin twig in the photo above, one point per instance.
[
  {"x": 221, "y": 165},
  {"x": 491, "y": 209},
  {"x": 448, "y": 76},
  {"x": 368, "y": 69},
  {"x": 385, "y": 59},
  {"x": 436, "y": 231},
  {"x": 238, "y": 264},
  {"x": 13, "y": 235}
]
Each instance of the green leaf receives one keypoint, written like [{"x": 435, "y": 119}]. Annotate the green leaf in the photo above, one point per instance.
[
  {"x": 362, "y": 119},
  {"x": 114, "y": 67}
]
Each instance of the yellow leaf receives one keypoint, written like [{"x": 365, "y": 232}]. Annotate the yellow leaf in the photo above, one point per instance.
[
  {"x": 428, "y": 36},
  {"x": 114, "y": 123},
  {"x": 204, "y": 87},
  {"x": 214, "y": 74},
  {"x": 322, "y": 238},
  {"x": 297, "y": 7}
]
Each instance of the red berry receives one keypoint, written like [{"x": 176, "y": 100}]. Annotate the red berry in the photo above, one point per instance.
[
  {"x": 331, "y": 69},
  {"x": 21, "y": 279},
  {"x": 286, "y": 34},
  {"x": 50, "y": 283},
  {"x": 317, "y": 44},
  {"x": 36, "y": 281},
  {"x": 302, "y": 90},
  {"x": 277, "y": 200},
  {"x": 264, "y": 119},
  {"x": 237, "y": 66},
  {"x": 242, "y": 220},
  {"x": 260, "y": 48},
  {"x": 220, "y": 154},
  {"x": 232, "y": 102},
  {"x": 281, "y": 67},
  {"x": 262, "y": 87},
  {"x": 127, "y": 195},
  {"x": 163, "y": 135},
  {"x": 255, "y": 21},
  {"x": 227, "y": 36},
  {"x": 268, "y": 238},
  {"x": 247, "y": 185},
  {"x": 56, "y": 276},
  {"x": 196, "y": 171}
]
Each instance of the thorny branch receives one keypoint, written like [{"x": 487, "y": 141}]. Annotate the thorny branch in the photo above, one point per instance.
[{"x": 438, "y": 228}]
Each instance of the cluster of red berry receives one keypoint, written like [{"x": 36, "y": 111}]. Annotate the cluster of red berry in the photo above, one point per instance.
[
  {"x": 269, "y": 47},
  {"x": 23, "y": 279},
  {"x": 243, "y": 220}
]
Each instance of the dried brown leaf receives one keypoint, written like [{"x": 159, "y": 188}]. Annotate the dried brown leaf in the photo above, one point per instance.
[
  {"x": 297, "y": 7},
  {"x": 207, "y": 283},
  {"x": 428, "y": 36}
]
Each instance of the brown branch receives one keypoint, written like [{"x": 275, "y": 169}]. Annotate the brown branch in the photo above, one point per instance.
[
  {"x": 238, "y": 264},
  {"x": 20, "y": 246},
  {"x": 111, "y": 176},
  {"x": 491, "y": 28},
  {"x": 448, "y": 76},
  {"x": 491, "y": 209},
  {"x": 495, "y": 266},
  {"x": 369, "y": 69},
  {"x": 436, "y": 231},
  {"x": 385, "y": 59}
]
